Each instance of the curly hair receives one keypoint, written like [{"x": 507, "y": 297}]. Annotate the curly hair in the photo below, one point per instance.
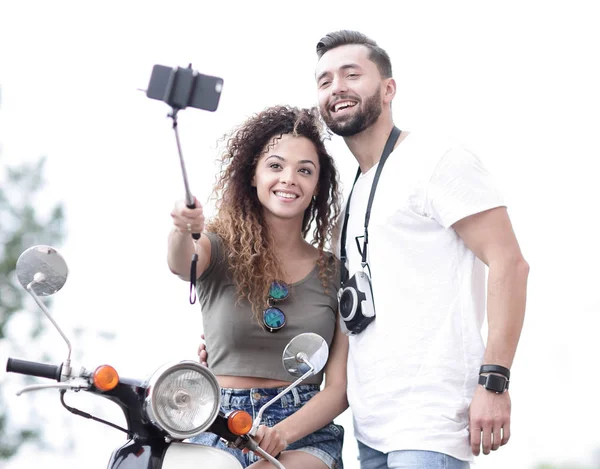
[{"x": 239, "y": 219}]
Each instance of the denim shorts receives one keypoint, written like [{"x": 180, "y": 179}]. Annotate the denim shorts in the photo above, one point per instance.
[
  {"x": 406, "y": 459},
  {"x": 325, "y": 444}
]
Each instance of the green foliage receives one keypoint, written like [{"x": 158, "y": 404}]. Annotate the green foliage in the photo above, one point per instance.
[{"x": 21, "y": 226}]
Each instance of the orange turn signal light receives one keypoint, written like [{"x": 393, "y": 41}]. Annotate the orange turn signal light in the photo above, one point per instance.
[
  {"x": 105, "y": 378},
  {"x": 239, "y": 422}
]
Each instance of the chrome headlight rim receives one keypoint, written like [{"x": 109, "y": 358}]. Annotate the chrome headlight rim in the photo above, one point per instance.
[{"x": 158, "y": 377}]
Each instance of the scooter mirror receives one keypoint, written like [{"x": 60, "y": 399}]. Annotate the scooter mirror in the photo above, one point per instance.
[
  {"x": 303, "y": 351},
  {"x": 44, "y": 266}
]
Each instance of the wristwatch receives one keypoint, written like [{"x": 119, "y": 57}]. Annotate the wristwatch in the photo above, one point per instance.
[{"x": 494, "y": 383}]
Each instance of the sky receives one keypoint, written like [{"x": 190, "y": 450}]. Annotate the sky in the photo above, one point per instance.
[{"x": 517, "y": 82}]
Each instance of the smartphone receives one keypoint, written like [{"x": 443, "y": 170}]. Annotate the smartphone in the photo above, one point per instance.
[{"x": 182, "y": 87}]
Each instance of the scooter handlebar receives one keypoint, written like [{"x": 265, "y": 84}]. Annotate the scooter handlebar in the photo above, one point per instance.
[{"x": 41, "y": 370}]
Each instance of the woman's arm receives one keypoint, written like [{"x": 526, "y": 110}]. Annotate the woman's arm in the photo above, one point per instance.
[
  {"x": 180, "y": 243},
  {"x": 320, "y": 410}
]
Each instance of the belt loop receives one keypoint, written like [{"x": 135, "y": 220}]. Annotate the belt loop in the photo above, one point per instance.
[
  {"x": 226, "y": 399},
  {"x": 296, "y": 397}
]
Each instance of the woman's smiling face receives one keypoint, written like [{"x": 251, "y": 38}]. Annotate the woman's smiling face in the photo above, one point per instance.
[{"x": 286, "y": 176}]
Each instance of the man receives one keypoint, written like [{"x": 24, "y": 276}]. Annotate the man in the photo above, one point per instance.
[{"x": 436, "y": 219}]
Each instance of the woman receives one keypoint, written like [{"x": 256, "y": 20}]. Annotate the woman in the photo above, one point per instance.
[{"x": 260, "y": 283}]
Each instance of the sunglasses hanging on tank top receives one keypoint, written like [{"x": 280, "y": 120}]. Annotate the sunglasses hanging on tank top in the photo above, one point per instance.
[{"x": 273, "y": 317}]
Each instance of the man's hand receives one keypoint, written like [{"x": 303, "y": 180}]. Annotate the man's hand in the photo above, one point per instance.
[
  {"x": 489, "y": 420},
  {"x": 202, "y": 355}
]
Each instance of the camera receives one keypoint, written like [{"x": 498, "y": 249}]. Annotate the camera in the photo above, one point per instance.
[{"x": 357, "y": 309}]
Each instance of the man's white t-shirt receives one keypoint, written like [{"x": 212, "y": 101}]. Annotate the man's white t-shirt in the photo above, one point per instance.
[{"x": 413, "y": 371}]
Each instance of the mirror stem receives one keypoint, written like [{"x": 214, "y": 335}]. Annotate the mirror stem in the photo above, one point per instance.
[
  {"x": 301, "y": 357},
  {"x": 39, "y": 278}
]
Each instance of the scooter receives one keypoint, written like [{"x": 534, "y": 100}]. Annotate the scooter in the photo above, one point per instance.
[{"x": 178, "y": 401}]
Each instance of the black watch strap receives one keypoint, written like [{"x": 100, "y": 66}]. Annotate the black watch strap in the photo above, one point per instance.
[
  {"x": 495, "y": 369},
  {"x": 495, "y": 383}
]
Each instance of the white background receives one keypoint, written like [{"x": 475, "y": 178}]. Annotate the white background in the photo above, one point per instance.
[{"x": 516, "y": 81}]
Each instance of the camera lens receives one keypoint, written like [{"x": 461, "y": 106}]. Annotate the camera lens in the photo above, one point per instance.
[{"x": 348, "y": 302}]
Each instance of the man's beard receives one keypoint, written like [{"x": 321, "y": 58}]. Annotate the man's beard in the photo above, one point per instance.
[{"x": 360, "y": 121}]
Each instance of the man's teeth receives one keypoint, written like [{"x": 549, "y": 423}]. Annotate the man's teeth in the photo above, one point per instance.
[
  {"x": 343, "y": 105},
  {"x": 286, "y": 195}
]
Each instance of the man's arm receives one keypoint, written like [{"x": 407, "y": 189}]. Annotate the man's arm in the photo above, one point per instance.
[{"x": 490, "y": 236}]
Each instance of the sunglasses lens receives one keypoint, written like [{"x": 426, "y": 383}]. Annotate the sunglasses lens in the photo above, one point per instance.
[
  {"x": 279, "y": 291},
  {"x": 273, "y": 318}
]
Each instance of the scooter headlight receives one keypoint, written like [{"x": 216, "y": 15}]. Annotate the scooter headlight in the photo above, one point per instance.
[{"x": 183, "y": 399}]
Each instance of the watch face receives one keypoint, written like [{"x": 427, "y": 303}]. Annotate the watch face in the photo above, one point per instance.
[{"x": 495, "y": 383}]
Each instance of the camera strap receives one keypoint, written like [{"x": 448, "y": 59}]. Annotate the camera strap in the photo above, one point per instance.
[{"x": 389, "y": 146}]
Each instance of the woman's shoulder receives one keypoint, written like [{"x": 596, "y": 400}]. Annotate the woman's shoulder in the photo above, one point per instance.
[
  {"x": 331, "y": 257},
  {"x": 217, "y": 241},
  {"x": 332, "y": 267},
  {"x": 218, "y": 264}
]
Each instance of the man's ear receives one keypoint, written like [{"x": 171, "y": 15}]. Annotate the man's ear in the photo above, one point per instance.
[{"x": 389, "y": 91}]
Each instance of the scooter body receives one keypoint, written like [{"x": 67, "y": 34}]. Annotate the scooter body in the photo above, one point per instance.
[
  {"x": 151, "y": 448},
  {"x": 176, "y": 455},
  {"x": 179, "y": 401}
]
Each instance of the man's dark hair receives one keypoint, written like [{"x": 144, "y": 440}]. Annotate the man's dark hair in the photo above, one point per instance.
[{"x": 346, "y": 37}]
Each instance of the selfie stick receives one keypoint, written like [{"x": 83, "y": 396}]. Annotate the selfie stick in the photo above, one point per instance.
[
  {"x": 186, "y": 85},
  {"x": 178, "y": 99},
  {"x": 189, "y": 199},
  {"x": 181, "y": 87}
]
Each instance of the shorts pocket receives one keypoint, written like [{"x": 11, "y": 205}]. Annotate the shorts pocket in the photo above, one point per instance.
[{"x": 337, "y": 430}]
